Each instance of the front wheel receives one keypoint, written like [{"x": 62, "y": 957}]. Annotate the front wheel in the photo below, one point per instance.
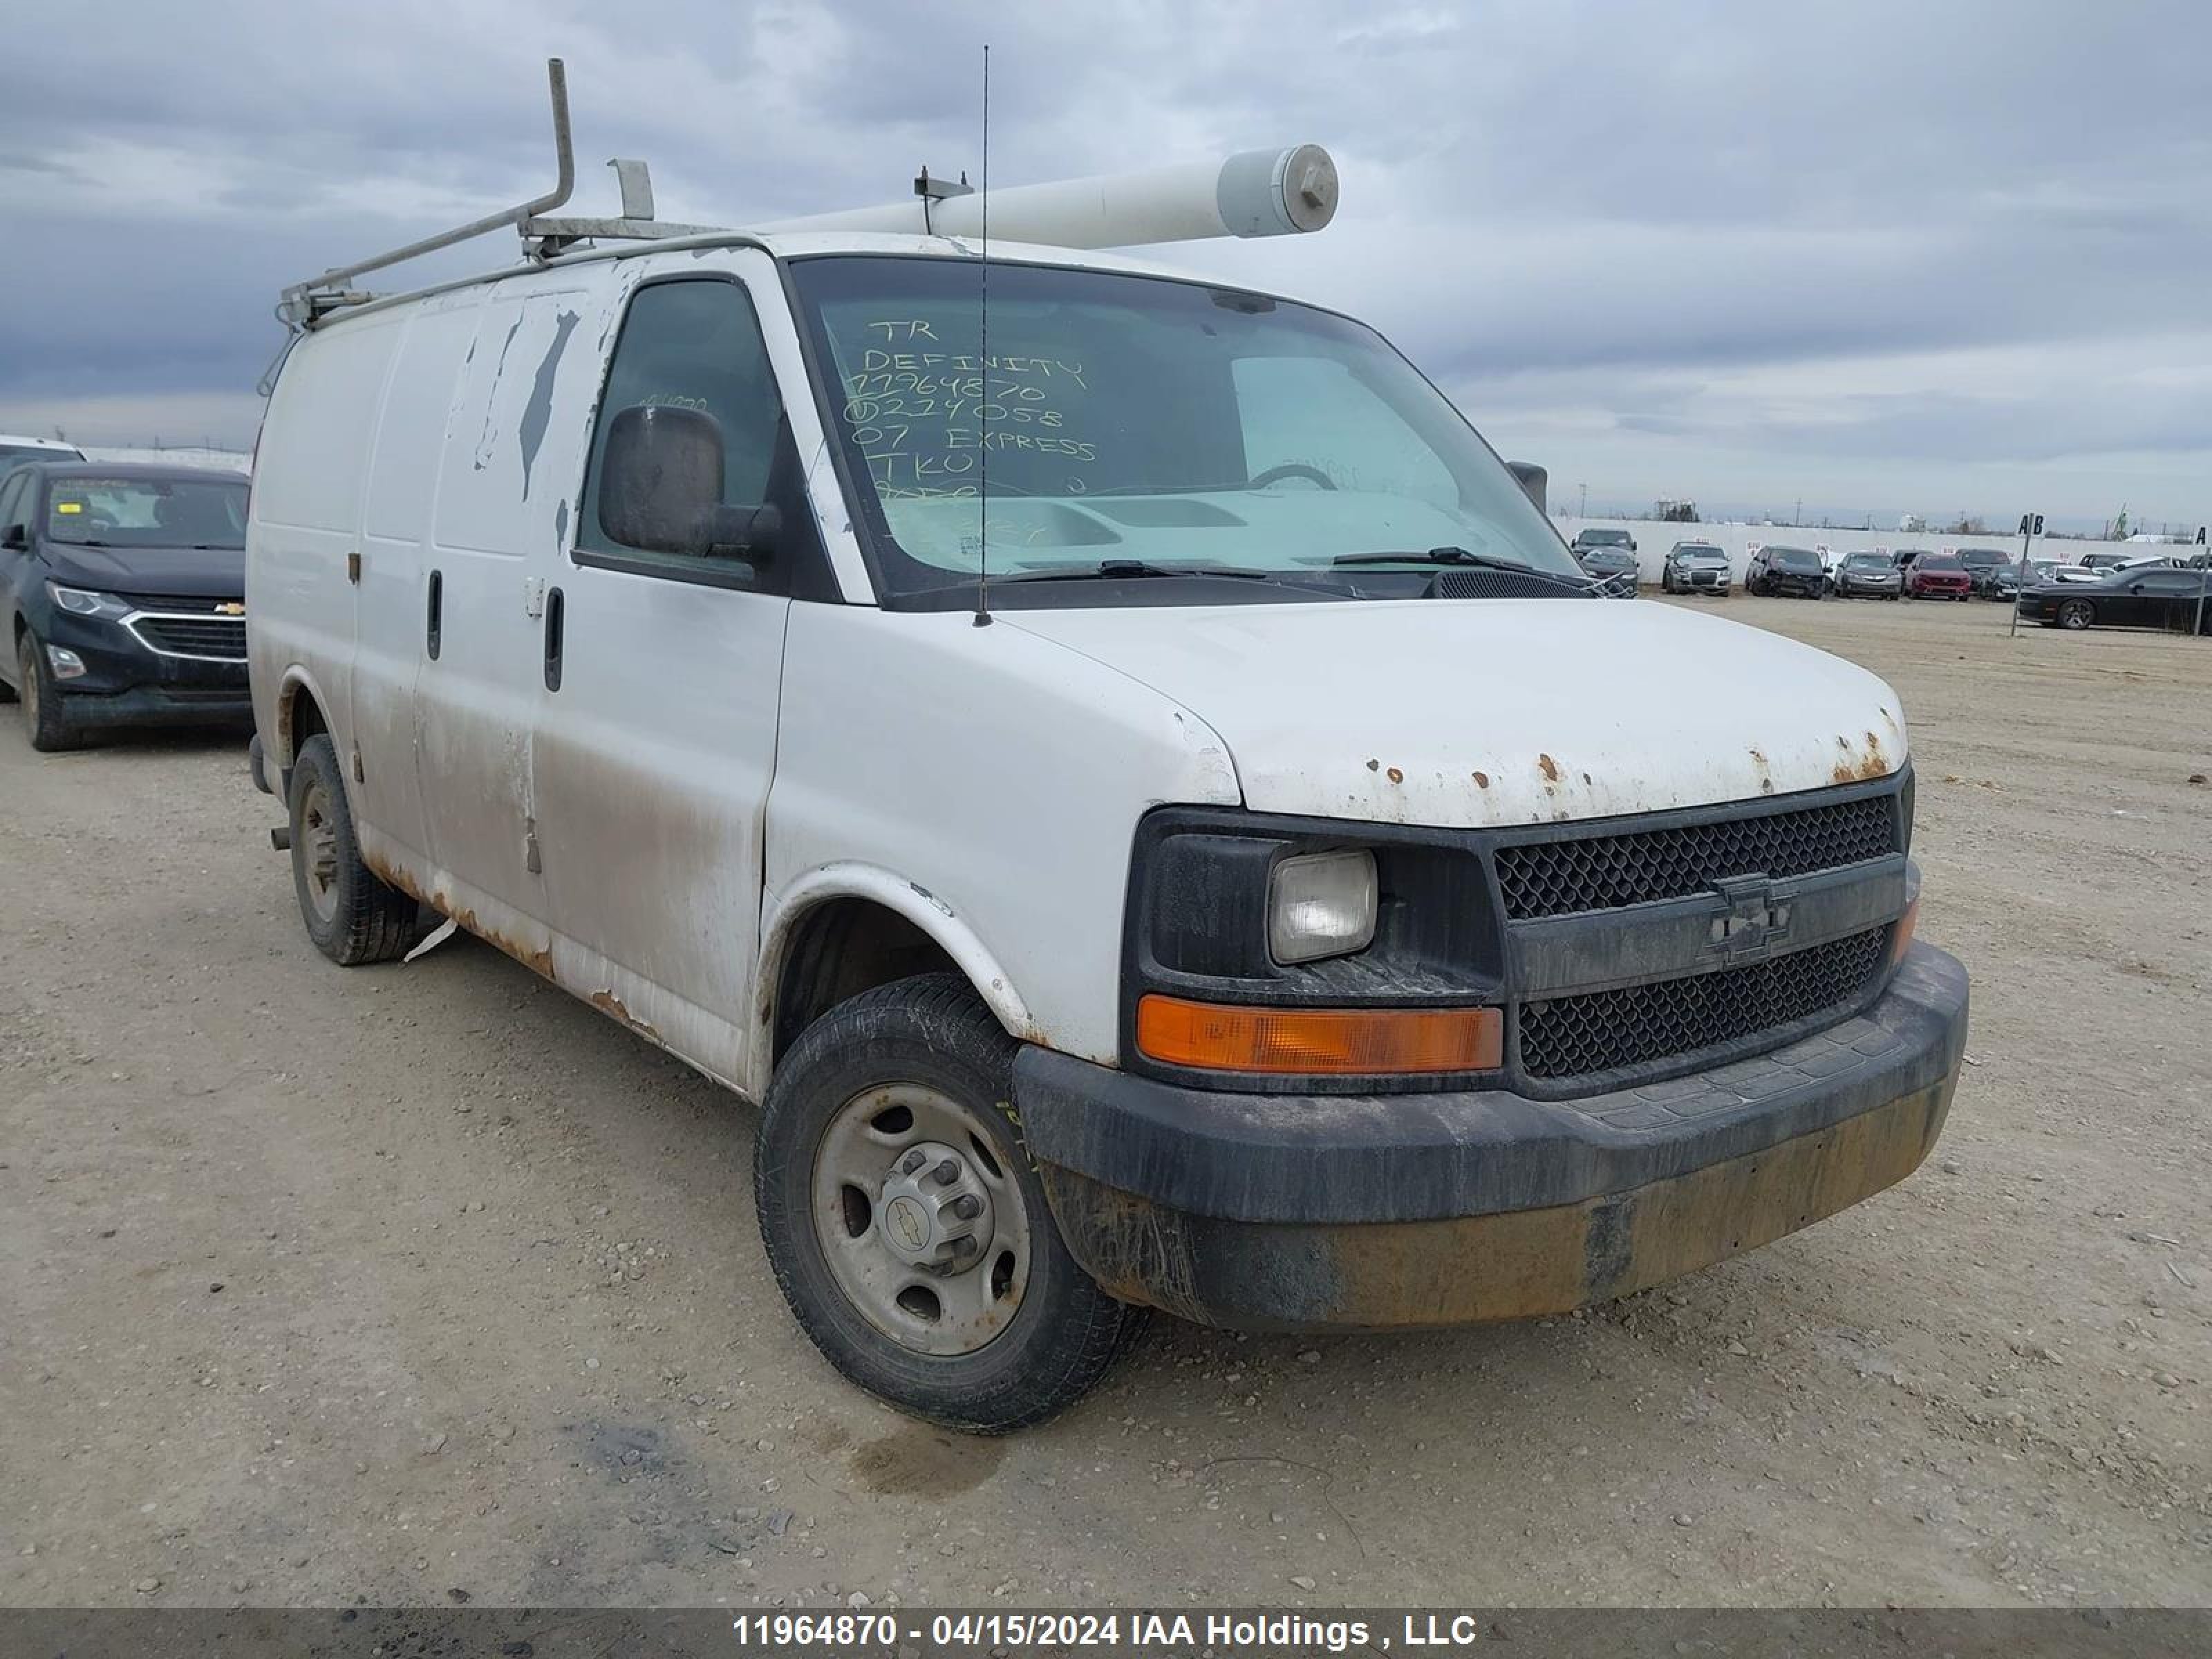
[
  {"x": 906, "y": 1224},
  {"x": 46, "y": 714},
  {"x": 2075, "y": 615}
]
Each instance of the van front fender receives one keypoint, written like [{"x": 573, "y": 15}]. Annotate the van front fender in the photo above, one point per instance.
[{"x": 853, "y": 879}]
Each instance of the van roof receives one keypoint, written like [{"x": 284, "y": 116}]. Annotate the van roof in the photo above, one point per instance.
[{"x": 807, "y": 244}]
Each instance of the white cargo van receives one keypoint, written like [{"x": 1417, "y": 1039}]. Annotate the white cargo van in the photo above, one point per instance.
[{"x": 1287, "y": 897}]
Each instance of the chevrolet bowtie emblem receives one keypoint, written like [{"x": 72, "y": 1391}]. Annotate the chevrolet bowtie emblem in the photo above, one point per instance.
[
  {"x": 1753, "y": 921},
  {"x": 230, "y": 610}
]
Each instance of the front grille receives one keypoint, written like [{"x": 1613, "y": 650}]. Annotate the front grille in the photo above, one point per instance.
[
  {"x": 1603, "y": 872},
  {"x": 222, "y": 637},
  {"x": 1604, "y": 1030}
]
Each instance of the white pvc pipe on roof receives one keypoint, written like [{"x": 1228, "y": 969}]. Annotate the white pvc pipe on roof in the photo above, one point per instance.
[{"x": 1259, "y": 193}]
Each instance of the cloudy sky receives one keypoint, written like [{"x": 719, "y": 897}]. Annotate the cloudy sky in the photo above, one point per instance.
[{"x": 1940, "y": 256}]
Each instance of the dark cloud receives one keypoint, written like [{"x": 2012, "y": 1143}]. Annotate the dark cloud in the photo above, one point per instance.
[{"x": 1885, "y": 248}]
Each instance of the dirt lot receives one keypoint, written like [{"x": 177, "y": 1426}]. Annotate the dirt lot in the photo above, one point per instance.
[{"x": 399, "y": 1282}]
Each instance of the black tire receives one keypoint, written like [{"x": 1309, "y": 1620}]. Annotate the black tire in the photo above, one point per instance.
[
  {"x": 350, "y": 913},
  {"x": 934, "y": 1032},
  {"x": 2074, "y": 615},
  {"x": 46, "y": 711}
]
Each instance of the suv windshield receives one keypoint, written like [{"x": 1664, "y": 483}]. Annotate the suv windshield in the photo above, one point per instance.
[
  {"x": 1867, "y": 561},
  {"x": 147, "y": 512},
  {"x": 1791, "y": 558},
  {"x": 1941, "y": 561},
  {"x": 1125, "y": 418}
]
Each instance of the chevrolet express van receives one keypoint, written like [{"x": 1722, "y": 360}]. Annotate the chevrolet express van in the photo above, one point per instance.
[{"x": 1147, "y": 808}]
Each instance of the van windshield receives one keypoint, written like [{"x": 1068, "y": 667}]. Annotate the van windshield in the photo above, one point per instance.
[{"x": 1126, "y": 420}]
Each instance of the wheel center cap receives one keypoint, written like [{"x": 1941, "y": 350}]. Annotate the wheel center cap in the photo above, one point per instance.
[{"x": 934, "y": 1212}]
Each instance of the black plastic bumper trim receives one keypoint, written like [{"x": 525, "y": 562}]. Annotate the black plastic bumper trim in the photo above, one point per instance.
[{"x": 1346, "y": 1158}]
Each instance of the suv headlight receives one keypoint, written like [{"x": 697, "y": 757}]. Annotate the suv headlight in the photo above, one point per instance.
[
  {"x": 1320, "y": 904},
  {"x": 84, "y": 602}
]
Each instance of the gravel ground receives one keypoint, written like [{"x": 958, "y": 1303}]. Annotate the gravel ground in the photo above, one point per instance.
[{"x": 423, "y": 1283}]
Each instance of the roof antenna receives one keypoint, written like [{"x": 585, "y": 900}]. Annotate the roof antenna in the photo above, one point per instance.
[{"x": 983, "y": 415}]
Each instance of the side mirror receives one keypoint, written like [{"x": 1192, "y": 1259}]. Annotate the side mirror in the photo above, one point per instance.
[
  {"x": 18, "y": 538},
  {"x": 1534, "y": 480},
  {"x": 660, "y": 488}
]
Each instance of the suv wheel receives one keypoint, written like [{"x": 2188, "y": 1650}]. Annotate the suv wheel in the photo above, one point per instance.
[
  {"x": 2076, "y": 614},
  {"x": 46, "y": 712},
  {"x": 352, "y": 914},
  {"x": 906, "y": 1224}
]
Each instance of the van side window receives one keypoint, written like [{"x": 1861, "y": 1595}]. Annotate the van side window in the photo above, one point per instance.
[
  {"x": 696, "y": 343},
  {"x": 11, "y": 501}
]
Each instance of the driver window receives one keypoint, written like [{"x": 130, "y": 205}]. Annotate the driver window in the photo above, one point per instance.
[{"x": 1309, "y": 414}]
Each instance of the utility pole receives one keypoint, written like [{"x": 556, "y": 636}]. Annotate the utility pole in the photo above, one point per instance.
[{"x": 1582, "y": 508}]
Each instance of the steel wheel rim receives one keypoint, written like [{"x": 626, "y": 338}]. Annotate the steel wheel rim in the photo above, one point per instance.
[
  {"x": 318, "y": 841},
  {"x": 961, "y": 1301}
]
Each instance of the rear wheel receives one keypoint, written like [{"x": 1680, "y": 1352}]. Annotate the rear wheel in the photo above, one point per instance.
[
  {"x": 906, "y": 1226},
  {"x": 350, "y": 913},
  {"x": 46, "y": 711},
  {"x": 2076, "y": 614}
]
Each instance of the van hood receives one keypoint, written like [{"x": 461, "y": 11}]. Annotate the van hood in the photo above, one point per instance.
[
  {"x": 1462, "y": 714},
  {"x": 210, "y": 572}
]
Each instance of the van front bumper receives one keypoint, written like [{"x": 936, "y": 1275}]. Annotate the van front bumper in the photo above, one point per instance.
[{"x": 1334, "y": 1213}]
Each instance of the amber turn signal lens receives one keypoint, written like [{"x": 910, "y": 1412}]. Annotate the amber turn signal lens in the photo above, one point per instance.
[
  {"x": 1318, "y": 1042},
  {"x": 1901, "y": 940}
]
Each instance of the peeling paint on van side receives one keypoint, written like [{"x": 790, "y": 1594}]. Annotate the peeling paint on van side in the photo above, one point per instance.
[{"x": 539, "y": 408}]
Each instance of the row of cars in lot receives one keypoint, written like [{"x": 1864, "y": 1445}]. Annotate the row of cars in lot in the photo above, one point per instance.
[{"x": 2103, "y": 589}]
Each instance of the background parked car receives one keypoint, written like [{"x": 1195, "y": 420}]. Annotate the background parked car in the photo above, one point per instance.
[
  {"x": 15, "y": 451},
  {"x": 2164, "y": 598},
  {"x": 1781, "y": 571},
  {"x": 1613, "y": 566},
  {"x": 1939, "y": 576},
  {"x": 1867, "y": 575},
  {"x": 2107, "y": 561},
  {"x": 1695, "y": 568},
  {"x": 1980, "y": 562},
  {"x": 125, "y": 587},
  {"x": 1903, "y": 557}
]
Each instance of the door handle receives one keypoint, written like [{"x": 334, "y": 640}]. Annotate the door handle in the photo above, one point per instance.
[
  {"x": 433, "y": 633},
  {"x": 555, "y": 612}
]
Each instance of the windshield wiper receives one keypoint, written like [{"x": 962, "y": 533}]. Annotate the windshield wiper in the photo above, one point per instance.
[
  {"x": 1460, "y": 556},
  {"x": 1115, "y": 569}
]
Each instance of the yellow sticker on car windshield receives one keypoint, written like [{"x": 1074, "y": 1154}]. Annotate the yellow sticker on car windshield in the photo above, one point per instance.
[{"x": 68, "y": 507}]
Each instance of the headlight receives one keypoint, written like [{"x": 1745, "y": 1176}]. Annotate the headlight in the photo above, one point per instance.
[
  {"x": 1320, "y": 904},
  {"x": 85, "y": 602}
]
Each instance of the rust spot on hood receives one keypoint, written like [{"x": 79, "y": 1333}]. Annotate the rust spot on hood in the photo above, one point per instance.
[
  {"x": 1549, "y": 767},
  {"x": 1482, "y": 780},
  {"x": 1395, "y": 775},
  {"x": 1856, "y": 766}
]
